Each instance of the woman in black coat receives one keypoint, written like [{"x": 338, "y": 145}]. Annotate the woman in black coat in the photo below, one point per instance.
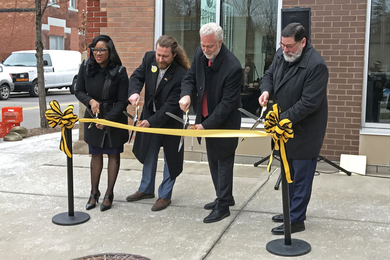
[{"x": 102, "y": 87}]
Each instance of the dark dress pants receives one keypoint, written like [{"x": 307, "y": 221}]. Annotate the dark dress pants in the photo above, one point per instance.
[
  {"x": 302, "y": 174},
  {"x": 221, "y": 170}
]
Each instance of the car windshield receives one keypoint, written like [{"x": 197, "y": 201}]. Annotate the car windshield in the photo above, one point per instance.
[{"x": 21, "y": 59}]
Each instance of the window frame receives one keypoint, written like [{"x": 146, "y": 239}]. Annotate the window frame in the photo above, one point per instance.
[{"x": 369, "y": 128}]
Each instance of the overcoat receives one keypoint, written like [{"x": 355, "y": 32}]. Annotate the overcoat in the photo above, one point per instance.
[
  {"x": 108, "y": 86},
  {"x": 300, "y": 91},
  {"x": 166, "y": 99},
  {"x": 222, "y": 82}
]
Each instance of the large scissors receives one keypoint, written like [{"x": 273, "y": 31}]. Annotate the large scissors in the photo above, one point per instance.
[
  {"x": 134, "y": 118},
  {"x": 258, "y": 119},
  {"x": 92, "y": 115},
  {"x": 185, "y": 122}
]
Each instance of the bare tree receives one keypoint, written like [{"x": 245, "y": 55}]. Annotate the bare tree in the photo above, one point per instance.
[{"x": 39, "y": 11}]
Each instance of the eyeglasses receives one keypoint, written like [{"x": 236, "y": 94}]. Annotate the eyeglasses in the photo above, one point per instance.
[
  {"x": 287, "y": 46},
  {"x": 102, "y": 51}
]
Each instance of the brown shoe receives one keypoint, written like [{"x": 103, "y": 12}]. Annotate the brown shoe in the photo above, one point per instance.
[
  {"x": 161, "y": 204},
  {"x": 139, "y": 196}
]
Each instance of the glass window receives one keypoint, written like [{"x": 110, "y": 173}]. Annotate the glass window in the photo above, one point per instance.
[
  {"x": 378, "y": 79},
  {"x": 46, "y": 57},
  {"x": 183, "y": 19},
  {"x": 250, "y": 29},
  {"x": 249, "y": 32},
  {"x": 72, "y": 4},
  {"x": 56, "y": 42}
]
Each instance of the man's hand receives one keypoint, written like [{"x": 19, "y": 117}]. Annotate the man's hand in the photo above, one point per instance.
[
  {"x": 134, "y": 99},
  {"x": 143, "y": 123},
  {"x": 197, "y": 127},
  {"x": 94, "y": 106},
  {"x": 263, "y": 99},
  {"x": 99, "y": 126},
  {"x": 185, "y": 103}
]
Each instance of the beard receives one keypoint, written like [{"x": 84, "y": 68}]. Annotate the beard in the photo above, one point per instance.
[
  {"x": 162, "y": 65},
  {"x": 212, "y": 55},
  {"x": 292, "y": 57}
]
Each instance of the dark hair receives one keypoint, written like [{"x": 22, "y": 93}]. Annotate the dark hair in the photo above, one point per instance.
[
  {"x": 113, "y": 56},
  {"x": 295, "y": 30},
  {"x": 167, "y": 41}
]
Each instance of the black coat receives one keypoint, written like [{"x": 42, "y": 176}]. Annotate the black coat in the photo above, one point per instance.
[
  {"x": 112, "y": 103},
  {"x": 222, "y": 81},
  {"x": 166, "y": 99},
  {"x": 301, "y": 94}
]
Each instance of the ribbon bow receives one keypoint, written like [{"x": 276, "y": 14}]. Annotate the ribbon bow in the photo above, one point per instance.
[
  {"x": 67, "y": 119},
  {"x": 281, "y": 131}
]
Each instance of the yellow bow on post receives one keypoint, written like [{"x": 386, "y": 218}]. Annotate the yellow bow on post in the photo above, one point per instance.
[
  {"x": 281, "y": 131},
  {"x": 66, "y": 120}
]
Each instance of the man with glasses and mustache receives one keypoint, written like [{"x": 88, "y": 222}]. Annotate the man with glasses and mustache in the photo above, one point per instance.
[{"x": 297, "y": 81}]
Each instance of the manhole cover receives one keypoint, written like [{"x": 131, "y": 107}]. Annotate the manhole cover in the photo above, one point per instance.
[{"x": 112, "y": 257}]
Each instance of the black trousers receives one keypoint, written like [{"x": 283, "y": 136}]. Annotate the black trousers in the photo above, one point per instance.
[{"x": 221, "y": 169}]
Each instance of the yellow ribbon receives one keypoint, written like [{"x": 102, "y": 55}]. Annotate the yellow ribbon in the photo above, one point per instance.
[
  {"x": 281, "y": 131},
  {"x": 66, "y": 120},
  {"x": 180, "y": 132}
]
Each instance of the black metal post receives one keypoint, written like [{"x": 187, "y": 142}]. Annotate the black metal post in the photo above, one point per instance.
[
  {"x": 71, "y": 217},
  {"x": 286, "y": 207},
  {"x": 69, "y": 165},
  {"x": 287, "y": 246}
]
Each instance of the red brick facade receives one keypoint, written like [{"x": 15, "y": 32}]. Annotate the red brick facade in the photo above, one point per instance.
[
  {"x": 337, "y": 32},
  {"x": 18, "y": 25}
]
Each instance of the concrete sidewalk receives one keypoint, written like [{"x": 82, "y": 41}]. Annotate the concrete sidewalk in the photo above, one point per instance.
[{"x": 348, "y": 217}]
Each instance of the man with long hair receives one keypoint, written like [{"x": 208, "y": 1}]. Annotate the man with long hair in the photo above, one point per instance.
[{"x": 161, "y": 72}]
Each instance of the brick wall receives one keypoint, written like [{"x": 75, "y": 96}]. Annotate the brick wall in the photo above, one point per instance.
[
  {"x": 18, "y": 27},
  {"x": 129, "y": 23},
  {"x": 338, "y": 34}
]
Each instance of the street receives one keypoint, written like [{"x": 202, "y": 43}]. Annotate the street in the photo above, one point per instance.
[{"x": 31, "y": 105}]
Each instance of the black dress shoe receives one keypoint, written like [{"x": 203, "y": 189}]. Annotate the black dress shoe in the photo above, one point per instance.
[
  {"x": 107, "y": 207},
  {"x": 92, "y": 205},
  {"x": 212, "y": 205},
  {"x": 278, "y": 218},
  {"x": 295, "y": 227},
  {"x": 216, "y": 215}
]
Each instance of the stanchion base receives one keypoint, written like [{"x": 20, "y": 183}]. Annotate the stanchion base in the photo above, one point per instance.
[
  {"x": 66, "y": 220},
  {"x": 298, "y": 247}
]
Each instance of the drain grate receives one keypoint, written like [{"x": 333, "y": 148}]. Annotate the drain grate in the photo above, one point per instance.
[{"x": 113, "y": 257}]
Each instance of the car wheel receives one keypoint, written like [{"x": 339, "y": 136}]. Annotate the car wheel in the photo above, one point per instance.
[
  {"x": 4, "y": 92},
  {"x": 34, "y": 89},
  {"x": 73, "y": 87}
]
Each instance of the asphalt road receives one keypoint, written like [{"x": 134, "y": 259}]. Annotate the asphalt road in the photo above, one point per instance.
[{"x": 31, "y": 118}]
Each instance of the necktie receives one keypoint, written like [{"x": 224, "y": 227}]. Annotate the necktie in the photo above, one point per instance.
[{"x": 205, "y": 111}]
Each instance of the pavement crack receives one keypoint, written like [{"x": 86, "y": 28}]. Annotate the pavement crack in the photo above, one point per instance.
[{"x": 237, "y": 215}]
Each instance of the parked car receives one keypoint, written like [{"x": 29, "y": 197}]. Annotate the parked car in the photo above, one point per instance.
[
  {"x": 6, "y": 84},
  {"x": 60, "y": 70}
]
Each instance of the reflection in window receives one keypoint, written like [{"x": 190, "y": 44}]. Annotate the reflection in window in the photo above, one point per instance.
[
  {"x": 183, "y": 19},
  {"x": 378, "y": 80},
  {"x": 250, "y": 33}
]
